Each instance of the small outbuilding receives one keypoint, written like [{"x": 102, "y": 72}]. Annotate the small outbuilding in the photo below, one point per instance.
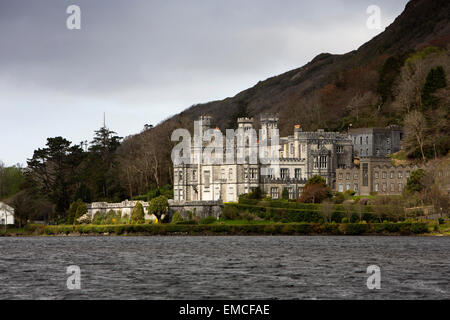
[{"x": 6, "y": 214}]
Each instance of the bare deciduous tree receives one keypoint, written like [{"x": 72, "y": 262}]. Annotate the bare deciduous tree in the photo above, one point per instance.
[
  {"x": 326, "y": 211},
  {"x": 415, "y": 128}
]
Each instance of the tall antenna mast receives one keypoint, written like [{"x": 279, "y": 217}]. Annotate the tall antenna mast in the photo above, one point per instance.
[{"x": 104, "y": 119}]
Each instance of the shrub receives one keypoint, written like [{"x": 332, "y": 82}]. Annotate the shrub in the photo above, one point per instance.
[
  {"x": 81, "y": 211},
  {"x": 339, "y": 198},
  {"x": 177, "y": 217},
  {"x": 187, "y": 222},
  {"x": 256, "y": 193},
  {"x": 246, "y": 215},
  {"x": 137, "y": 215},
  {"x": 288, "y": 229},
  {"x": 303, "y": 228},
  {"x": 269, "y": 229},
  {"x": 243, "y": 199},
  {"x": 119, "y": 230},
  {"x": 285, "y": 194},
  {"x": 349, "y": 193},
  {"x": 112, "y": 217},
  {"x": 99, "y": 218},
  {"x": 230, "y": 213},
  {"x": 158, "y": 206},
  {"x": 405, "y": 228},
  {"x": 125, "y": 219},
  {"x": 34, "y": 228},
  {"x": 76, "y": 210},
  {"x": 441, "y": 220},
  {"x": 208, "y": 220},
  {"x": 419, "y": 227},
  {"x": 355, "y": 228},
  {"x": 344, "y": 220},
  {"x": 315, "y": 190},
  {"x": 415, "y": 181}
]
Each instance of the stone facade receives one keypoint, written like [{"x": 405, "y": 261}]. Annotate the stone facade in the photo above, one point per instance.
[
  {"x": 374, "y": 174},
  {"x": 301, "y": 156},
  {"x": 200, "y": 209},
  {"x": 375, "y": 142}
]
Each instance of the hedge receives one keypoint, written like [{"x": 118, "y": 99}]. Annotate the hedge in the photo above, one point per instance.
[
  {"x": 285, "y": 211},
  {"x": 247, "y": 229}
]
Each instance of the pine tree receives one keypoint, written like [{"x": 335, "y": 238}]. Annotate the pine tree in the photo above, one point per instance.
[{"x": 435, "y": 80}]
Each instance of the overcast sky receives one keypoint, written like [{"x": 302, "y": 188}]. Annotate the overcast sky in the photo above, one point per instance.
[{"x": 141, "y": 61}]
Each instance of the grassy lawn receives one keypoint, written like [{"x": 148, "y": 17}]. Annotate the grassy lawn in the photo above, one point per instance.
[{"x": 445, "y": 228}]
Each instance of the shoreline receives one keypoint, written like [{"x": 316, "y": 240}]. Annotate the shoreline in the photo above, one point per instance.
[{"x": 279, "y": 229}]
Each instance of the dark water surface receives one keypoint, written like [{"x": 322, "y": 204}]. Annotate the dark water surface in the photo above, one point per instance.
[{"x": 225, "y": 267}]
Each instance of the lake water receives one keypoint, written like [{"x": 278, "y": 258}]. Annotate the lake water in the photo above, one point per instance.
[{"x": 278, "y": 267}]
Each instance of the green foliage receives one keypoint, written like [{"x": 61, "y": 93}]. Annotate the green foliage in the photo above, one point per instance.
[
  {"x": 187, "y": 222},
  {"x": 177, "y": 217},
  {"x": 349, "y": 193},
  {"x": 55, "y": 184},
  {"x": 11, "y": 179},
  {"x": 339, "y": 198},
  {"x": 316, "y": 180},
  {"x": 315, "y": 190},
  {"x": 166, "y": 191},
  {"x": 419, "y": 227},
  {"x": 236, "y": 212},
  {"x": 158, "y": 206},
  {"x": 61, "y": 172},
  {"x": 99, "y": 218},
  {"x": 76, "y": 210},
  {"x": 138, "y": 215},
  {"x": 208, "y": 220},
  {"x": 81, "y": 210},
  {"x": 285, "y": 194},
  {"x": 250, "y": 212},
  {"x": 354, "y": 228},
  {"x": 113, "y": 217},
  {"x": 256, "y": 194},
  {"x": 388, "y": 73},
  {"x": 84, "y": 193},
  {"x": 435, "y": 80},
  {"x": 422, "y": 54},
  {"x": 191, "y": 227},
  {"x": 230, "y": 212},
  {"x": 244, "y": 199},
  {"x": 414, "y": 183}
]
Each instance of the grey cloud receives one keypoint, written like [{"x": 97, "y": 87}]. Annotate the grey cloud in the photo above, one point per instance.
[{"x": 159, "y": 55}]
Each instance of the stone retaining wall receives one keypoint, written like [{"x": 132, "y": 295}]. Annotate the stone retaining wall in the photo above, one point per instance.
[{"x": 201, "y": 209}]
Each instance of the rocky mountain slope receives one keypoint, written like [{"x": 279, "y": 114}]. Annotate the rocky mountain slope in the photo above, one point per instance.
[{"x": 369, "y": 86}]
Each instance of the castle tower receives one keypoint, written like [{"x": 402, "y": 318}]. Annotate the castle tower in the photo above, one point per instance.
[
  {"x": 245, "y": 123},
  {"x": 205, "y": 122},
  {"x": 268, "y": 122}
]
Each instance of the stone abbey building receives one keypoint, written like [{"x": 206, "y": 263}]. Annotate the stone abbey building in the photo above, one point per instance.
[
  {"x": 300, "y": 156},
  {"x": 376, "y": 142},
  {"x": 374, "y": 174}
]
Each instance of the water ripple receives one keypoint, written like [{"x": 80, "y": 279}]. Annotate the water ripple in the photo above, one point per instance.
[{"x": 225, "y": 267}]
